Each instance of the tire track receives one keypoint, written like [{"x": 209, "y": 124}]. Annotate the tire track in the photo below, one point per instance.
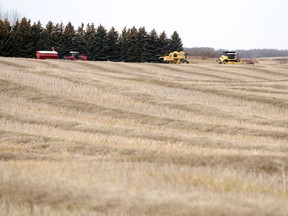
[
  {"x": 264, "y": 71},
  {"x": 190, "y": 158},
  {"x": 12, "y": 64},
  {"x": 41, "y": 97},
  {"x": 171, "y": 105},
  {"x": 201, "y": 142},
  {"x": 191, "y": 71},
  {"x": 229, "y": 73},
  {"x": 224, "y": 93},
  {"x": 112, "y": 72},
  {"x": 149, "y": 132},
  {"x": 155, "y": 101}
]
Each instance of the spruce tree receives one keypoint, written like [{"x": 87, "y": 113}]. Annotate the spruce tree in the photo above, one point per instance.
[
  {"x": 89, "y": 39},
  {"x": 57, "y": 39},
  {"x": 153, "y": 47},
  {"x": 80, "y": 38},
  {"x": 163, "y": 44},
  {"x": 6, "y": 41},
  {"x": 36, "y": 31},
  {"x": 69, "y": 36},
  {"x": 113, "y": 51},
  {"x": 47, "y": 36},
  {"x": 101, "y": 44},
  {"x": 133, "y": 54},
  {"x": 123, "y": 45},
  {"x": 143, "y": 45},
  {"x": 23, "y": 41},
  {"x": 175, "y": 42}
]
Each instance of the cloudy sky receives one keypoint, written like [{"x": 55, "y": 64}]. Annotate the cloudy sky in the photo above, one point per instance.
[{"x": 227, "y": 24}]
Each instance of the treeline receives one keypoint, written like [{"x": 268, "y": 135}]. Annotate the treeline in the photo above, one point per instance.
[
  {"x": 260, "y": 53},
  {"x": 23, "y": 39},
  {"x": 252, "y": 53}
]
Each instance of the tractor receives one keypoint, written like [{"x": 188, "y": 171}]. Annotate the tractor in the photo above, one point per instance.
[
  {"x": 75, "y": 56},
  {"x": 175, "y": 58}
]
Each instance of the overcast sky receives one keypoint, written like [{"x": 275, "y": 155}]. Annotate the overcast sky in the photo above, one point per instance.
[{"x": 227, "y": 24}]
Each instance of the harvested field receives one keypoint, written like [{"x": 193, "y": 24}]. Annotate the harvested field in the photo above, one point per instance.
[{"x": 103, "y": 138}]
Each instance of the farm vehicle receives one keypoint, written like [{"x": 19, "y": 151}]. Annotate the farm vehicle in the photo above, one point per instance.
[
  {"x": 75, "y": 56},
  {"x": 175, "y": 58},
  {"x": 229, "y": 57}
]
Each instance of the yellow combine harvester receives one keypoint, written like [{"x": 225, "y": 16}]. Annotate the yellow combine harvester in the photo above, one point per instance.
[
  {"x": 229, "y": 57},
  {"x": 175, "y": 57}
]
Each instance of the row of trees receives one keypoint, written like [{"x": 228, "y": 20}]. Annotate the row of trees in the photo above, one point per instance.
[
  {"x": 260, "y": 53},
  {"x": 252, "y": 53},
  {"x": 23, "y": 39}
]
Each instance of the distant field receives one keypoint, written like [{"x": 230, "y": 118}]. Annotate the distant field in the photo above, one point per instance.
[
  {"x": 102, "y": 138},
  {"x": 279, "y": 60}
]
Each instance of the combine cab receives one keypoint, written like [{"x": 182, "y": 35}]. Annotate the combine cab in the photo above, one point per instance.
[
  {"x": 175, "y": 58},
  {"x": 75, "y": 56},
  {"x": 229, "y": 57}
]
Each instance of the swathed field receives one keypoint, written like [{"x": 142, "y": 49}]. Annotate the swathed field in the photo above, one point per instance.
[{"x": 103, "y": 138}]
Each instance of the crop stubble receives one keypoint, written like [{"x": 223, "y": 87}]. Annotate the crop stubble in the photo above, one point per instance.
[{"x": 103, "y": 138}]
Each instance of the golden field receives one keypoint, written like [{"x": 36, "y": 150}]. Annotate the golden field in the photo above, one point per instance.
[{"x": 103, "y": 138}]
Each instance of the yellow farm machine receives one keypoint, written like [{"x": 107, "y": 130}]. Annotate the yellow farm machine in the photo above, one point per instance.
[
  {"x": 175, "y": 58},
  {"x": 229, "y": 57}
]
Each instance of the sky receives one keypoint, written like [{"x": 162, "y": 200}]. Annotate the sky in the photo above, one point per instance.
[{"x": 225, "y": 24}]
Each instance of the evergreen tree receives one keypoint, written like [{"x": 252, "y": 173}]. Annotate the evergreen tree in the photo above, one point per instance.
[
  {"x": 142, "y": 45},
  {"x": 89, "y": 39},
  {"x": 101, "y": 44},
  {"x": 47, "y": 36},
  {"x": 36, "y": 31},
  {"x": 163, "y": 44},
  {"x": 133, "y": 54},
  {"x": 80, "y": 38},
  {"x": 69, "y": 37},
  {"x": 23, "y": 41},
  {"x": 175, "y": 42},
  {"x": 6, "y": 41},
  {"x": 153, "y": 47},
  {"x": 57, "y": 39},
  {"x": 113, "y": 51},
  {"x": 123, "y": 45}
]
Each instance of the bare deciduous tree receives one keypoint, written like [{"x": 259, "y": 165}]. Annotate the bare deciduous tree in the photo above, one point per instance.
[
  {"x": 12, "y": 15},
  {"x": 1, "y": 11}
]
